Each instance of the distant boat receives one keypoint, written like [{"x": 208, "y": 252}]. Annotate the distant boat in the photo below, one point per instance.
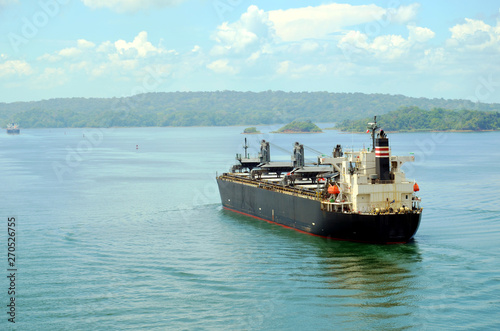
[{"x": 13, "y": 128}]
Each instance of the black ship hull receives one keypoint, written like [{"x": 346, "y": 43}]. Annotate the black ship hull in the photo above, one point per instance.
[
  {"x": 13, "y": 131},
  {"x": 305, "y": 214}
]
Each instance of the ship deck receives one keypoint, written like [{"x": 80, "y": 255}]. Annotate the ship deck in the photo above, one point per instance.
[{"x": 303, "y": 188}]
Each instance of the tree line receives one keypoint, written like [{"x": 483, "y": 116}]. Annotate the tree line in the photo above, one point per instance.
[
  {"x": 409, "y": 119},
  {"x": 218, "y": 108}
]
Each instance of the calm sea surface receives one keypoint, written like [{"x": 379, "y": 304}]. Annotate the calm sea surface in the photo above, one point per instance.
[{"x": 122, "y": 229}]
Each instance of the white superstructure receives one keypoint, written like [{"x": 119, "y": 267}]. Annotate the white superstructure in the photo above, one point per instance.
[
  {"x": 371, "y": 181},
  {"x": 361, "y": 188}
]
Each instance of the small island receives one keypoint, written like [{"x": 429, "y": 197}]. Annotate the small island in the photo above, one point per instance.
[
  {"x": 299, "y": 127},
  {"x": 251, "y": 130}
]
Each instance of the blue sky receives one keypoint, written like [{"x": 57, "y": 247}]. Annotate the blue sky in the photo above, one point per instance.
[{"x": 114, "y": 48}]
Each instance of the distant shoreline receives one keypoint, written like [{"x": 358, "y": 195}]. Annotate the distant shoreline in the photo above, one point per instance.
[
  {"x": 294, "y": 132},
  {"x": 417, "y": 131},
  {"x": 229, "y": 126}
]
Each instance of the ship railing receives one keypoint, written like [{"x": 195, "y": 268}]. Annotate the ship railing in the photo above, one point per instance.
[
  {"x": 382, "y": 181},
  {"x": 272, "y": 186},
  {"x": 234, "y": 178},
  {"x": 336, "y": 206}
]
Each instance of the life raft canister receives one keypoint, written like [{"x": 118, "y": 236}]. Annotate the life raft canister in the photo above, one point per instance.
[{"x": 333, "y": 189}]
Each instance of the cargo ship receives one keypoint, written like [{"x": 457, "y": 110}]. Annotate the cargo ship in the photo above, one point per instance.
[
  {"x": 360, "y": 196},
  {"x": 13, "y": 129}
]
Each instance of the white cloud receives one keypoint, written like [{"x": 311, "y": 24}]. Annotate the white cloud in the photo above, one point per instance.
[
  {"x": 15, "y": 67},
  {"x": 322, "y": 21},
  {"x": 234, "y": 39},
  {"x": 313, "y": 41},
  {"x": 70, "y": 52},
  {"x": 433, "y": 60},
  {"x": 283, "y": 67},
  {"x": 469, "y": 28},
  {"x": 387, "y": 47},
  {"x": 122, "y": 6},
  {"x": 319, "y": 22},
  {"x": 139, "y": 47},
  {"x": 222, "y": 67},
  {"x": 323, "y": 47},
  {"x": 106, "y": 47},
  {"x": 119, "y": 59},
  {"x": 475, "y": 35},
  {"x": 419, "y": 34},
  {"x": 384, "y": 47},
  {"x": 253, "y": 57},
  {"x": 315, "y": 32},
  {"x": 85, "y": 44},
  {"x": 403, "y": 14},
  {"x": 250, "y": 32},
  {"x": 49, "y": 58}
]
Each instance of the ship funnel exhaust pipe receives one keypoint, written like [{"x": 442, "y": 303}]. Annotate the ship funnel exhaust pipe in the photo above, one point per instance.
[{"x": 382, "y": 163}]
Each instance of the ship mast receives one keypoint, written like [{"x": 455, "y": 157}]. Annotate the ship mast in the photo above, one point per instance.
[
  {"x": 246, "y": 147},
  {"x": 372, "y": 127}
]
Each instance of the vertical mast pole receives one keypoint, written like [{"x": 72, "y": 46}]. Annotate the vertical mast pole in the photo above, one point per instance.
[
  {"x": 373, "y": 128},
  {"x": 246, "y": 147}
]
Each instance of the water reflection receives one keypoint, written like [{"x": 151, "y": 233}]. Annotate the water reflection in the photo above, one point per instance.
[
  {"x": 359, "y": 285},
  {"x": 374, "y": 285},
  {"x": 374, "y": 271}
]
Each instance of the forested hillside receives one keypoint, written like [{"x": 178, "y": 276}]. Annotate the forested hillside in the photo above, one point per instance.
[
  {"x": 215, "y": 108},
  {"x": 438, "y": 119}
]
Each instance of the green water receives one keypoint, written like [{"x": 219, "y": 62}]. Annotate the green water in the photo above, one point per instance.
[{"x": 122, "y": 229}]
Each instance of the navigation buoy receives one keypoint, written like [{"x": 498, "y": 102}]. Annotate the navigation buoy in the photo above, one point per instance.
[{"x": 415, "y": 187}]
